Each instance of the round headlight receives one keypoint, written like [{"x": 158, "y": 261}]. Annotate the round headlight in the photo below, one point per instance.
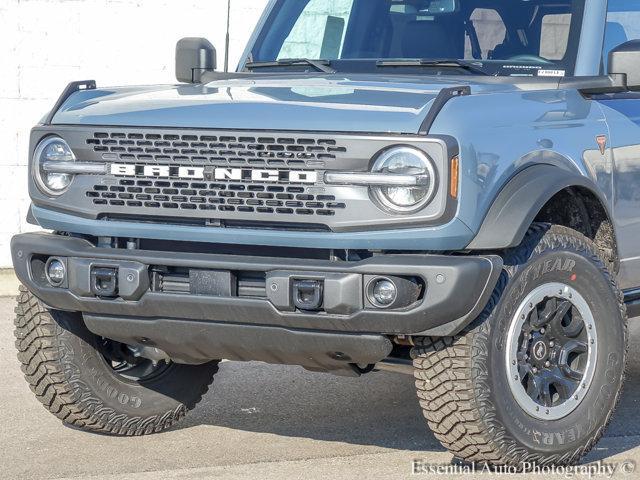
[
  {"x": 49, "y": 151},
  {"x": 405, "y": 161}
]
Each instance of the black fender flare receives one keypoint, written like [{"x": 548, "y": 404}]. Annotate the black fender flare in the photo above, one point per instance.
[{"x": 520, "y": 201}]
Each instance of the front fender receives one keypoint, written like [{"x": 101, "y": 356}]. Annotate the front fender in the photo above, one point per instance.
[{"x": 520, "y": 201}]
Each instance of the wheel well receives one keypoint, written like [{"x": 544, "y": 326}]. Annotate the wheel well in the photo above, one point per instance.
[{"x": 579, "y": 209}]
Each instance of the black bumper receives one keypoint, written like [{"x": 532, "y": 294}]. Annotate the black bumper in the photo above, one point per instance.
[{"x": 456, "y": 290}]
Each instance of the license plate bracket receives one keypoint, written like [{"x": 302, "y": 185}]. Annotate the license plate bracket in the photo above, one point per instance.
[{"x": 212, "y": 283}]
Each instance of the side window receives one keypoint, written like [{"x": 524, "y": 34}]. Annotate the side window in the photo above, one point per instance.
[
  {"x": 554, "y": 36},
  {"x": 490, "y": 30},
  {"x": 319, "y": 31},
  {"x": 623, "y": 24}
]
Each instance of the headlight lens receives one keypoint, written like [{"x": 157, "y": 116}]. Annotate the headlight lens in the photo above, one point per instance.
[
  {"x": 405, "y": 161},
  {"x": 52, "y": 149}
]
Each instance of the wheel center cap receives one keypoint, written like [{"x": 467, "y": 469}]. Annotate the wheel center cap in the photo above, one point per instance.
[{"x": 540, "y": 350}]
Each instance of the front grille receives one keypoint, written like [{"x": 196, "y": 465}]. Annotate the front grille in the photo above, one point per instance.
[
  {"x": 256, "y": 198},
  {"x": 227, "y": 199},
  {"x": 233, "y": 150},
  {"x": 234, "y": 179}
]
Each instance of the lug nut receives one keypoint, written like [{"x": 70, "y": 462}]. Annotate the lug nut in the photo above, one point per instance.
[
  {"x": 542, "y": 330},
  {"x": 552, "y": 344},
  {"x": 547, "y": 364},
  {"x": 534, "y": 370}
]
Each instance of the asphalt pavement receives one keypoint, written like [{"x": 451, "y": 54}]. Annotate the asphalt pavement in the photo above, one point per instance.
[{"x": 271, "y": 422}]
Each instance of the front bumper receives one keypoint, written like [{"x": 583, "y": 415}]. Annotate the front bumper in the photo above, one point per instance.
[
  {"x": 453, "y": 236},
  {"x": 456, "y": 290}
]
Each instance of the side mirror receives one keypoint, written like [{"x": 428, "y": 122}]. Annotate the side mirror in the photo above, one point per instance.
[
  {"x": 625, "y": 59},
  {"x": 194, "y": 56}
]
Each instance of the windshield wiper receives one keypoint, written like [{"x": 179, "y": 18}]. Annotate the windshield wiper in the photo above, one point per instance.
[
  {"x": 449, "y": 63},
  {"x": 320, "y": 65}
]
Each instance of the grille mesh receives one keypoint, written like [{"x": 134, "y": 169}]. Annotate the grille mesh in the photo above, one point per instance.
[
  {"x": 234, "y": 150},
  {"x": 205, "y": 196},
  {"x": 209, "y": 197}
]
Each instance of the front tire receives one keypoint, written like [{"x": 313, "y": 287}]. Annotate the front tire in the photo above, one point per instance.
[
  {"x": 68, "y": 371},
  {"x": 537, "y": 377}
]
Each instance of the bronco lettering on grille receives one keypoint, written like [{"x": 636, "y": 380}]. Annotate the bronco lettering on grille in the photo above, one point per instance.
[{"x": 214, "y": 173}]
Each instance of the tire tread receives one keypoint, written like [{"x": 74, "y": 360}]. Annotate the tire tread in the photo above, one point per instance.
[
  {"x": 49, "y": 370},
  {"x": 452, "y": 384}
]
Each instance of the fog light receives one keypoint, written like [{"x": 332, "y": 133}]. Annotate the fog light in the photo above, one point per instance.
[
  {"x": 56, "y": 272},
  {"x": 384, "y": 293}
]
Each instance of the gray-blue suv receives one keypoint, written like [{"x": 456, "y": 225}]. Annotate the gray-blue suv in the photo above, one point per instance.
[{"x": 447, "y": 188}]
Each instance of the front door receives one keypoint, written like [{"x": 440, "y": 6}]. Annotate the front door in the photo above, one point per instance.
[{"x": 622, "y": 112}]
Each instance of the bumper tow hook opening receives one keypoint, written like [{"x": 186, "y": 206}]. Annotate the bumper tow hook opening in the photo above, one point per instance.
[
  {"x": 104, "y": 282},
  {"x": 308, "y": 295}
]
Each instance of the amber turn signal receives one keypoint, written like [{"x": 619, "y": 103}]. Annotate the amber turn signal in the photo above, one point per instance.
[{"x": 455, "y": 176}]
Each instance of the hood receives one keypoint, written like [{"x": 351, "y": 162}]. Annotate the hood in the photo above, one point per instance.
[{"x": 374, "y": 104}]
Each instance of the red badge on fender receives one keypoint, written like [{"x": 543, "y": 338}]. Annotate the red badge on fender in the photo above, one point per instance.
[{"x": 602, "y": 143}]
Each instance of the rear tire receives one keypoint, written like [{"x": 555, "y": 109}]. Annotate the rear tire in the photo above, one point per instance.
[
  {"x": 67, "y": 371},
  {"x": 466, "y": 384}
]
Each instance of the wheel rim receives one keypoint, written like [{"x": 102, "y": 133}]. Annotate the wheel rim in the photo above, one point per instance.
[
  {"x": 127, "y": 363},
  {"x": 551, "y": 351}
]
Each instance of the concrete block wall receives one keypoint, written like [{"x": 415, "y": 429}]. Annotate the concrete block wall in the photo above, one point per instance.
[{"x": 45, "y": 44}]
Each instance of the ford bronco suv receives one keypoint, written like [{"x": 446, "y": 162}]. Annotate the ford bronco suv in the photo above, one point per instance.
[{"x": 448, "y": 188}]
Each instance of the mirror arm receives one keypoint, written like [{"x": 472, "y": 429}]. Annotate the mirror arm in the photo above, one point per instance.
[{"x": 613, "y": 83}]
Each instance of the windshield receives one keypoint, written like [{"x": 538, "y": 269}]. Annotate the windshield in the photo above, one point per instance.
[{"x": 494, "y": 37}]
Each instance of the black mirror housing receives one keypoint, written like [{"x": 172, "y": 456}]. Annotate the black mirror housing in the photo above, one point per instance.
[
  {"x": 194, "y": 57},
  {"x": 625, "y": 59}
]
